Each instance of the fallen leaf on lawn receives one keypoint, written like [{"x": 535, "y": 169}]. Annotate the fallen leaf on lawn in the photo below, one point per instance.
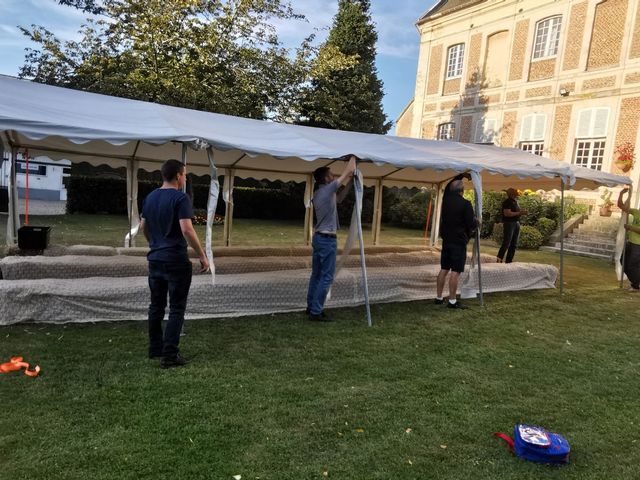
[
  {"x": 568, "y": 342},
  {"x": 190, "y": 439},
  {"x": 408, "y": 430},
  {"x": 340, "y": 434},
  {"x": 237, "y": 477},
  {"x": 510, "y": 366},
  {"x": 443, "y": 446},
  {"x": 360, "y": 430},
  {"x": 409, "y": 461},
  {"x": 325, "y": 473}
]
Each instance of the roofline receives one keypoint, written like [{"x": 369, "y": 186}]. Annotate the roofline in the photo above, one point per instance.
[{"x": 426, "y": 17}]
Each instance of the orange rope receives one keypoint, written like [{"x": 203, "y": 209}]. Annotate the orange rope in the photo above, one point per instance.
[{"x": 16, "y": 364}]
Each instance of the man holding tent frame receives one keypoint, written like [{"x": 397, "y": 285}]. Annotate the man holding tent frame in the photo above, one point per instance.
[
  {"x": 325, "y": 242},
  {"x": 632, "y": 249}
]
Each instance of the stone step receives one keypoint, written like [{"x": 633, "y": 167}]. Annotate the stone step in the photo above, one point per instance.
[
  {"x": 594, "y": 237},
  {"x": 578, "y": 253},
  {"x": 590, "y": 243},
  {"x": 604, "y": 231},
  {"x": 587, "y": 249}
]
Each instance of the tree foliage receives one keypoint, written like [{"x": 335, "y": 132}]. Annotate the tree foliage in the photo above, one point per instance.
[
  {"x": 216, "y": 55},
  {"x": 348, "y": 98}
]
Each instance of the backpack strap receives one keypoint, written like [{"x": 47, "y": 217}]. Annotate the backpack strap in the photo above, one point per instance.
[{"x": 506, "y": 438}]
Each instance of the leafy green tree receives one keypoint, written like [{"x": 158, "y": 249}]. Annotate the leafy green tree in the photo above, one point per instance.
[
  {"x": 216, "y": 55},
  {"x": 348, "y": 98}
]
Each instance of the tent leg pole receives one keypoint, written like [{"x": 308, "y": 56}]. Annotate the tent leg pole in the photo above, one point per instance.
[
  {"x": 212, "y": 204},
  {"x": 625, "y": 218},
  {"x": 228, "y": 198},
  {"x": 562, "y": 236},
  {"x": 308, "y": 210},
  {"x": 13, "y": 219},
  {"x": 435, "y": 226},
  {"x": 477, "y": 246},
  {"x": 365, "y": 281},
  {"x": 377, "y": 212}
]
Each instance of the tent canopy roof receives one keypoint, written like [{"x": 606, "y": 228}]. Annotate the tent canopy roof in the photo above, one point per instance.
[{"x": 99, "y": 129}]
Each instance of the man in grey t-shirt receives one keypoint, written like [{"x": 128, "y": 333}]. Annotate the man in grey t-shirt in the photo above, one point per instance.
[{"x": 324, "y": 239}]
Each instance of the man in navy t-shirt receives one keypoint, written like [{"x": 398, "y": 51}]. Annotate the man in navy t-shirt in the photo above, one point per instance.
[{"x": 166, "y": 223}]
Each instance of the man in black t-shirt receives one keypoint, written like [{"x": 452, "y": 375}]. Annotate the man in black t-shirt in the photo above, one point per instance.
[
  {"x": 458, "y": 223},
  {"x": 510, "y": 214}
]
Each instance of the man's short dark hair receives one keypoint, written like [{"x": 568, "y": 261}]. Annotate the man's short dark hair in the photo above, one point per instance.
[
  {"x": 170, "y": 170},
  {"x": 319, "y": 174}
]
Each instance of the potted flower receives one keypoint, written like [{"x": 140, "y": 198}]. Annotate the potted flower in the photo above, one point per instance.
[
  {"x": 605, "y": 208},
  {"x": 625, "y": 156}
]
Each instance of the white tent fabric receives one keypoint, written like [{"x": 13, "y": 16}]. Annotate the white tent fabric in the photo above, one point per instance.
[{"x": 81, "y": 126}]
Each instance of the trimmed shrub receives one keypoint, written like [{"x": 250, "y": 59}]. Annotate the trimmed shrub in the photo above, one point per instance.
[
  {"x": 546, "y": 227},
  {"x": 530, "y": 238},
  {"x": 412, "y": 212}
]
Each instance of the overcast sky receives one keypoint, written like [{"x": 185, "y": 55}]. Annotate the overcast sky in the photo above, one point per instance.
[{"x": 395, "y": 22}]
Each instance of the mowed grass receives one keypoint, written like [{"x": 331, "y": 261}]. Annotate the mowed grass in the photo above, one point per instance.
[{"x": 277, "y": 397}]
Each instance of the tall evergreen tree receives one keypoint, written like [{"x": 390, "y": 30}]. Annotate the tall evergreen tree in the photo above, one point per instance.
[{"x": 349, "y": 98}]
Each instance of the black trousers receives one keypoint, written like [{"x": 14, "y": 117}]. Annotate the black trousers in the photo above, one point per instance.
[
  {"x": 632, "y": 264},
  {"x": 174, "y": 279},
  {"x": 509, "y": 241}
]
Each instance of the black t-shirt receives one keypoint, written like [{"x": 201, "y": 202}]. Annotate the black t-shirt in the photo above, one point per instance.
[
  {"x": 458, "y": 220},
  {"x": 510, "y": 204},
  {"x": 162, "y": 211}
]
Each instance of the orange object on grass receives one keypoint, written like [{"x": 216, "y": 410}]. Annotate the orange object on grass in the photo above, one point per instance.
[{"x": 17, "y": 363}]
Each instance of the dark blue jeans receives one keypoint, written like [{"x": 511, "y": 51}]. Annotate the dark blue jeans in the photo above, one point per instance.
[
  {"x": 509, "y": 241},
  {"x": 174, "y": 279},
  {"x": 323, "y": 267}
]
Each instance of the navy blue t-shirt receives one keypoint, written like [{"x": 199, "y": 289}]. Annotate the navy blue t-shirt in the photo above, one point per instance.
[{"x": 162, "y": 211}]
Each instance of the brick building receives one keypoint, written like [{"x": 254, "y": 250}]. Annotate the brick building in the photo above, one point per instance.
[{"x": 559, "y": 78}]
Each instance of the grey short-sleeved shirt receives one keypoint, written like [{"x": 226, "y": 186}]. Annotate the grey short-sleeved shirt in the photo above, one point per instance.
[{"x": 324, "y": 203}]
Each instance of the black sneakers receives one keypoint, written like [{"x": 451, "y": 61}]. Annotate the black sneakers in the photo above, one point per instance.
[
  {"x": 170, "y": 362},
  {"x": 457, "y": 305},
  {"x": 439, "y": 301},
  {"x": 319, "y": 318}
]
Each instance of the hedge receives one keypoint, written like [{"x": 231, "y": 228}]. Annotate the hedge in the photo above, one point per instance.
[{"x": 277, "y": 200}]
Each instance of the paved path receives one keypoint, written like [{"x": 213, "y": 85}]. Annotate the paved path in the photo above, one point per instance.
[{"x": 43, "y": 207}]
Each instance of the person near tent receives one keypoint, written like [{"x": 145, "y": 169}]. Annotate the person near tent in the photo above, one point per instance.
[
  {"x": 458, "y": 223},
  {"x": 632, "y": 248},
  {"x": 324, "y": 243},
  {"x": 511, "y": 214},
  {"x": 166, "y": 224}
]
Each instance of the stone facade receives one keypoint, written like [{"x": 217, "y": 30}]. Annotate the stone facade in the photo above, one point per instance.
[
  {"x": 608, "y": 33},
  {"x": 582, "y": 88},
  {"x": 542, "y": 69},
  {"x": 575, "y": 33}
]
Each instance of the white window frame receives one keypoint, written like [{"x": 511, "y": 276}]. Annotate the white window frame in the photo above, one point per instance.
[
  {"x": 534, "y": 147},
  {"x": 446, "y": 131},
  {"x": 485, "y": 130},
  {"x": 591, "y": 152},
  {"x": 455, "y": 61},
  {"x": 546, "y": 40}
]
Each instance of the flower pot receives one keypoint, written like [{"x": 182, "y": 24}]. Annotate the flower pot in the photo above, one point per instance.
[{"x": 605, "y": 211}]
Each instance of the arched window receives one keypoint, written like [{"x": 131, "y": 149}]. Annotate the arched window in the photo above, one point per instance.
[
  {"x": 455, "y": 59},
  {"x": 547, "y": 37}
]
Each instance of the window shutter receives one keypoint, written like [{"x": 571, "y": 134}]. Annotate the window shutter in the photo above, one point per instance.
[
  {"x": 525, "y": 130},
  {"x": 600, "y": 122},
  {"x": 540, "y": 121},
  {"x": 584, "y": 124}
]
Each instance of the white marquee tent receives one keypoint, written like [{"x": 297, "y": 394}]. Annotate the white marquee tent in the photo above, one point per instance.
[{"x": 99, "y": 129}]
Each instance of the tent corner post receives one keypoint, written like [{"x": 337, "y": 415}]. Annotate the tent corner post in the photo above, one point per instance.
[
  {"x": 561, "y": 235},
  {"x": 227, "y": 195},
  {"x": 365, "y": 281},
  {"x": 308, "y": 210},
  {"x": 377, "y": 211}
]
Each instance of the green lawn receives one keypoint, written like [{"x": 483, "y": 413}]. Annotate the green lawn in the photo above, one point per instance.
[{"x": 276, "y": 397}]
